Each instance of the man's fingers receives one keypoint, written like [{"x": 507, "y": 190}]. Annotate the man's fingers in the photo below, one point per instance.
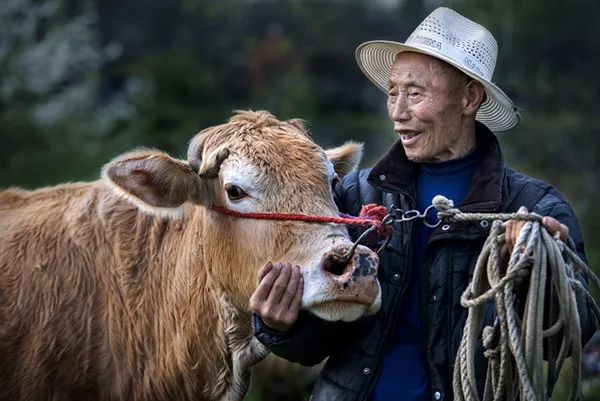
[
  {"x": 554, "y": 226},
  {"x": 551, "y": 224},
  {"x": 281, "y": 284},
  {"x": 290, "y": 291},
  {"x": 513, "y": 229},
  {"x": 264, "y": 270},
  {"x": 508, "y": 235},
  {"x": 275, "y": 311},
  {"x": 275, "y": 298},
  {"x": 297, "y": 301},
  {"x": 516, "y": 231},
  {"x": 264, "y": 288},
  {"x": 564, "y": 232}
]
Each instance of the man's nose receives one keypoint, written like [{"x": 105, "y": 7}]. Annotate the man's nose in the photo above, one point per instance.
[{"x": 400, "y": 110}]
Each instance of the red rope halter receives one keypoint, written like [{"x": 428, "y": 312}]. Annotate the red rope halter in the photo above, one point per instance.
[{"x": 370, "y": 215}]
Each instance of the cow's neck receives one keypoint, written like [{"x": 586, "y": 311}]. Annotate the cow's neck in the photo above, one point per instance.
[{"x": 173, "y": 311}]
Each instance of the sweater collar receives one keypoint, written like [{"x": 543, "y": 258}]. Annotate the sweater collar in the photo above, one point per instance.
[
  {"x": 453, "y": 166},
  {"x": 395, "y": 173}
]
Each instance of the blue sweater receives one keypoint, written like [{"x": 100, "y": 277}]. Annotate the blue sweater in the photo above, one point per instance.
[{"x": 404, "y": 373}]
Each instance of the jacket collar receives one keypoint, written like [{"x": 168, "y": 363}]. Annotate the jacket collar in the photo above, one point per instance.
[{"x": 395, "y": 173}]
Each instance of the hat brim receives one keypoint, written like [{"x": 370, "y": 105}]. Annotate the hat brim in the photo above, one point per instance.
[{"x": 375, "y": 59}]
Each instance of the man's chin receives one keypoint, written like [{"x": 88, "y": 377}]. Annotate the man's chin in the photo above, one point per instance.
[{"x": 415, "y": 157}]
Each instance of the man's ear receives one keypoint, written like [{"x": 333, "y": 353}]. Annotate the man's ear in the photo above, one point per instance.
[
  {"x": 345, "y": 158},
  {"x": 474, "y": 97},
  {"x": 155, "y": 182}
]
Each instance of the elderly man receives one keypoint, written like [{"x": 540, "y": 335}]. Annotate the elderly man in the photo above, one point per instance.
[{"x": 444, "y": 107}]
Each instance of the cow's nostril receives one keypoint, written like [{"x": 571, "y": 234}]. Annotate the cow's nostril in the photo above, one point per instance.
[{"x": 335, "y": 264}]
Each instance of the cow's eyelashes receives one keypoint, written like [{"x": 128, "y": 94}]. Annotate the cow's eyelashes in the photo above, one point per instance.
[{"x": 234, "y": 193}]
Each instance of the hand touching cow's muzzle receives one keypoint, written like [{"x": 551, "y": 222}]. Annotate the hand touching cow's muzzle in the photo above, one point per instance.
[
  {"x": 334, "y": 289},
  {"x": 278, "y": 297}
]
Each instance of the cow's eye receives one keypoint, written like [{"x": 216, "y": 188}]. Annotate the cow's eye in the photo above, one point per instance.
[{"x": 234, "y": 193}]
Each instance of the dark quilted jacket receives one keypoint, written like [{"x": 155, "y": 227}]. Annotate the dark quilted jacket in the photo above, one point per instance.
[{"x": 355, "y": 349}]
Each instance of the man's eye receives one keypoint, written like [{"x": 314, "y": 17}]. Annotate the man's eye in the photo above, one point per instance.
[
  {"x": 234, "y": 193},
  {"x": 414, "y": 93}
]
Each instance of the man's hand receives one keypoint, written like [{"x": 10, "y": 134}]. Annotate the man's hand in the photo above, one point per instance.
[
  {"x": 513, "y": 228},
  {"x": 278, "y": 297}
]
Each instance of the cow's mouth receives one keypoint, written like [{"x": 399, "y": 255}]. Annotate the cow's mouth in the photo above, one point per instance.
[
  {"x": 335, "y": 310},
  {"x": 358, "y": 298},
  {"x": 346, "y": 308}
]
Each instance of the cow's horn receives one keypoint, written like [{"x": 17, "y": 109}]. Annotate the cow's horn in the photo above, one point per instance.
[
  {"x": 213, "y": 171},
  {"x": 194, "y": 155}
]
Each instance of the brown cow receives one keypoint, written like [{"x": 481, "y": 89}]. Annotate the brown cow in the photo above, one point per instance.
[{"x": 132, "y": 288}]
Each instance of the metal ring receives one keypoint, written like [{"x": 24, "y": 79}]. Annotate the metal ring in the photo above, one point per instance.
[
  {"x": 432, "y": 225},
  {"x": 410, "y": 215},
  {"x": 396, "y": 213},
  {"x": 387, "y": 220},
  {"x": 427, "y": 223},
  {"x": 345, "y": 258}
]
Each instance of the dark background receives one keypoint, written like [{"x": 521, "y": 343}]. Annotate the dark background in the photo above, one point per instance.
[{"x": 84, "y": 80}]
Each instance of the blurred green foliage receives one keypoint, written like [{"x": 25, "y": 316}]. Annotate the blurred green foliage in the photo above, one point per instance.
[{"x": 82, "y": 81}]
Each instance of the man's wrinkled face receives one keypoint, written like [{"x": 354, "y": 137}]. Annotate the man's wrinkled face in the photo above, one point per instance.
[{"x": 426, "y": 104}]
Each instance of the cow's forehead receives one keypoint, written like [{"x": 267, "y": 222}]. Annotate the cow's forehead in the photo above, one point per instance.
[
  {"x": 289, "y": 159},
  {"x": 282, "y": 148}
]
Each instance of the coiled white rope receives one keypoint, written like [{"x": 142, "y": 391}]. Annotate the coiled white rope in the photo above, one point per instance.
[{"x": 539, "y": 275}]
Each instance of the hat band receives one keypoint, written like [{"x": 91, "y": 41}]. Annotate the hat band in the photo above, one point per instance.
[{"x": 449, "y": 52}]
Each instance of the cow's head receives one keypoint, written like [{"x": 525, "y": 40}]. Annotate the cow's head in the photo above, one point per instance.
[{"x": 255, "y": 163}]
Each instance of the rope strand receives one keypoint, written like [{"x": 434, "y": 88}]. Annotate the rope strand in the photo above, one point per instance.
[{"x": 370, "y": 215}]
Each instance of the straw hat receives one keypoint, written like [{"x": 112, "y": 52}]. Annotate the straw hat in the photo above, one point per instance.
[{"x": 450, "y": 37}]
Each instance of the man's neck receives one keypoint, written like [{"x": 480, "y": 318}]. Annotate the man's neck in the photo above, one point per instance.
[{"x": 462, "y": 146}]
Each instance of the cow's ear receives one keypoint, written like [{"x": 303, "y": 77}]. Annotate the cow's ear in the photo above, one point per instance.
[
  {"x": 345, "y": 158},
  {"x": 155, "y": 182}
]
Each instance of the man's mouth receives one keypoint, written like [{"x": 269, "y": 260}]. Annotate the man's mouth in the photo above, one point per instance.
[{"x": 409, "y": 137}]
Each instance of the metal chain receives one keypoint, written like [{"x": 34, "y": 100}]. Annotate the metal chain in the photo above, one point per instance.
[
  {"x": 444, "y": 209},
  {"x": 395, "y": 215}
]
